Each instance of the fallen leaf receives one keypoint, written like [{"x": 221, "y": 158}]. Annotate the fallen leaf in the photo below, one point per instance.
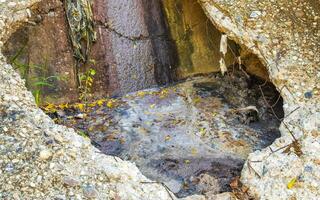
[
  {"x": 291, "y": 183},
  {"x": 196, "y": 100},
  {"x": 194, "y": 151},
  {"x": 110, "y": 104},
  {"x": 141, "y": 93},
  {"x": 80, "y": 106},
  {"x": 100, "y": 102},
  {"x": 187, "y": 161}
]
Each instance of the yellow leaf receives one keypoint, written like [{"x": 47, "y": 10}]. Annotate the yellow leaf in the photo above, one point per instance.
[
  {"x": 92, "y": 104},
  {"x": 50, "y": 107},
  {"x": 110, "y": 104},
  {"x": 80, "y": 106},
  {"x": 141, "y": 93},
  {"x": 196, "y": 100},
  {"x": 194, "y": 151},
  {"x": 202, "y": 132},
  {"x": 291, "y": 183},
  {"x": 152, "y": 106},
  {"x": 187, "y": 161},
  {"x": 167, "y": 138},
  {"x": 100, "y": 102},
  {"x": 63, "y": 106}
]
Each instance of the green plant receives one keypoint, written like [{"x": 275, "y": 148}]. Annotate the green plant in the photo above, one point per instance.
[
  {"x": 39, "y": 85},
  {"x": 36, "y": 84},
  {"x": 86, "y": 82}
]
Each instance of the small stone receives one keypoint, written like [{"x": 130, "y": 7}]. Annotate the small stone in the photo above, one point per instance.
[
  {"x": 90, "y": 191},
  {"x": 299, "y": 13},
  {"x": 255, "y": 14},
  {"x": 39, "y": 179},
  {"x": 69, "y": 181},
  {"x": 60, "y": 197},
  {"x": 80, "y": 116},
  {"x": 61, "y": 113},
  {"x": 308, "y": 95},
  {"x": 32, "y": 185},
  {"x": 308, "y": 168},
  {"x": 12, "y": 4},
  {"x": 58, "y": 139},
  {"x": 9, "y": 167},
  {"x": 45, "y": 154},
  {"x": 174, "y": 185}
]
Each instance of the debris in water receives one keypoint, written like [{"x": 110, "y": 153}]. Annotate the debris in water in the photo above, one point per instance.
[{"x": 193, "y": 137}]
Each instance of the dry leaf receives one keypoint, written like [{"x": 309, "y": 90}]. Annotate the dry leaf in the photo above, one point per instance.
[{"x": 291, "y": 183}]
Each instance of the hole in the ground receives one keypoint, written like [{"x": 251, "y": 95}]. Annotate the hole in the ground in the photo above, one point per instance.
[{"x": 193, "y": 136}]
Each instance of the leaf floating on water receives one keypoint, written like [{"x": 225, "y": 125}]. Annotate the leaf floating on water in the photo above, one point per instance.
[
  {"x": 187, "y": 161},
  {"x": 291, "y": 183},
  {"x": 63, "y": 106},
  {"x": 194, "y": 151},
  {"x": 50, "y": 108},
  {"x": 152, "y": 106},
  {"x": 196, "y": 100},
  {"x": 167, "y": 138},
  {"x": 110, "y": 104},
  {"x": 202, "y": 132},
  {"x": 141, "y": 93},
  {"x": 92, "y": 105},
  {"x": 91, "y": 128},
  {"x": 100, "y": 102}
]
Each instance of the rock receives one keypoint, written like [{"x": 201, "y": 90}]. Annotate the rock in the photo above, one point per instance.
[
  {"x": 308, "y": 95},
  {"x": 80, "y": 116},
  {"x": 255, "y": 14},
  {"x": 174, "y": 186},
  {"x": 282, "y": 69},
  {"x": 69, "y": 181},
  {"x": 89, "y": 191},
  {"x": 45, "y": 154},
  {"x": 59, "y": 138}
]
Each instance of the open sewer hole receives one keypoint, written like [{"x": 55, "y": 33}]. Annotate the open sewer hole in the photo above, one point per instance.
[{"x": 193, "y": 136}]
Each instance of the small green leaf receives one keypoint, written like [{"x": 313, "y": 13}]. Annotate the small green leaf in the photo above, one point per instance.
[
  {"x": 93, "y": 72},
  {"x": 42, "y": 83}
]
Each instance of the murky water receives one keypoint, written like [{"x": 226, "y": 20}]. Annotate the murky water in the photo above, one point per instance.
[{"x": 193, "y": 137}]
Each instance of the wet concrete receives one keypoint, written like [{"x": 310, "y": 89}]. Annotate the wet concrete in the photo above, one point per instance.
[{"x": 193, "y": 136}]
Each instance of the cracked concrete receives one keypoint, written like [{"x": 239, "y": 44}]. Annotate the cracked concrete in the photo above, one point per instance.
[{"x": 290, "y": 51}]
